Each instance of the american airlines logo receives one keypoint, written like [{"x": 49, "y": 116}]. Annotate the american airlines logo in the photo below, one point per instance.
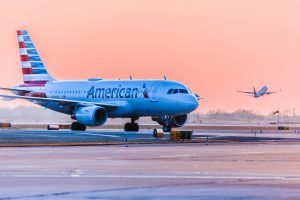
[
  {"x": 145, "y": 91},
  {"x": 119, "y": 92}
]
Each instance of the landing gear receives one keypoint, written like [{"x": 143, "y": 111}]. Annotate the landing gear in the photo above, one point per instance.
[
  {"x": 167, "y": 128},
  {"x": 78, "y": 127},
  {"x": 132, "y": 126}
]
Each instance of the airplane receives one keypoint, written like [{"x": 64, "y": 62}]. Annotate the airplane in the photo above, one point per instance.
[
  {"x": 259, "y": 93},
  {"x": 91, "y": 102}
]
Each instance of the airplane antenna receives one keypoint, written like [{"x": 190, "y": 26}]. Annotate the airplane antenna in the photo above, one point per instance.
[
  {"x": 130, "y": 77},
  {"x": 165, "y": 77}
]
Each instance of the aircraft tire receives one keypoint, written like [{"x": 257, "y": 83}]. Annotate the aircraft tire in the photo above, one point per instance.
[
  {"x": 78, "y": 127},
  {"x": 167, "y": 129},
  {"x": 135, "y": 127},
  {"x": 82, "y": 127},
  {"x": 127, "y": 127},
  {"x": 131, "y": 127}
]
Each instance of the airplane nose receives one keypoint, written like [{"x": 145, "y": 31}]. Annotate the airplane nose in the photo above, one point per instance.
[{"x": 192, "y": 103}]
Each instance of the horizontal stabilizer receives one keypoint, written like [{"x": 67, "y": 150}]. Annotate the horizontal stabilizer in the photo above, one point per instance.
[
  {"x": 14, "y": 90},
  {"x": 7, "y": 98}
]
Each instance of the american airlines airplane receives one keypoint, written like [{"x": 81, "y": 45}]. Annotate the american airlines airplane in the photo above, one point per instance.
[
  {"x": 90, "y": 102},
  {"x": 259, "y": 93}
]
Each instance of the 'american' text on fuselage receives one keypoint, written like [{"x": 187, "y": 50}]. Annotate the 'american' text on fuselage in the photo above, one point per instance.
[{"x": 112, "y": 92}]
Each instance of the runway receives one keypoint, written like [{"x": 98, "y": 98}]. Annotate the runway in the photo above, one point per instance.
[
  {"x": 234, "y": 165},
  {"x": 179, "y": 171}
]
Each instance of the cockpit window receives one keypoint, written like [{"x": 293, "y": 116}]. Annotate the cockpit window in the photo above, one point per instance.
[
  {"x": 189, "y": 90},
  {"x": 184, "y": 91},
  {"x": 170, "y": 91},
  {"x": 176, "y": 91}
]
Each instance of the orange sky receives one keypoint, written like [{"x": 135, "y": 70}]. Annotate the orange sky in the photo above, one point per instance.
[{"x": 214, "y": 46}]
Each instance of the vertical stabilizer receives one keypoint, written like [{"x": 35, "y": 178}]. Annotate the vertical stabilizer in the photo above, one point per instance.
[
  {"x": 254, "y": 91},
  {"x": 33, "y": 69}
]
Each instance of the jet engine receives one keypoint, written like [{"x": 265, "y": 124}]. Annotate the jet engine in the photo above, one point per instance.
[
  {"x": 172, "y": 121},
  {"x": 91, "y": 116}
]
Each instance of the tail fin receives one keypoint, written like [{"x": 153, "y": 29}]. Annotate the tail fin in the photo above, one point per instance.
[
  {"x": 254, "y": 91},
  {"x": 34, "y": 71}
]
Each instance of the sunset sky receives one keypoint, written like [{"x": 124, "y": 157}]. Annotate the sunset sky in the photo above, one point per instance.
[{"x": 214, "y": 46}]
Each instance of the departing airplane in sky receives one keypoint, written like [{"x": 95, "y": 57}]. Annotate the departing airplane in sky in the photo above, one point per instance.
[
  {"x": 90, "y": 102},
  {"x": 259, "y": 93}
]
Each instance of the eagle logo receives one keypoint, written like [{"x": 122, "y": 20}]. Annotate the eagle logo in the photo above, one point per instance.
[{"x": 145, "y": 91}]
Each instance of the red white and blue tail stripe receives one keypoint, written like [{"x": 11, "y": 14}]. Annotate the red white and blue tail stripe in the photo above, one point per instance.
[{"x": 34, "y": 71}]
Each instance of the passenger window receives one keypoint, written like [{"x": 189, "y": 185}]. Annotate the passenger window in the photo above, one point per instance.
[
  {"x": 175, "y": 91},
  {"x": 170, "y": 91}
]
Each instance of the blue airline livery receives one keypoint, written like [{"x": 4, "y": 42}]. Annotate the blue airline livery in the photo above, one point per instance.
[{"x": 90, "y": 102}]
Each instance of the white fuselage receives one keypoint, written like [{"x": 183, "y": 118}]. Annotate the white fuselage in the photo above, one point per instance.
[
  {"x": 262, "y": 91},
  {"x": 133, "y": 97}
]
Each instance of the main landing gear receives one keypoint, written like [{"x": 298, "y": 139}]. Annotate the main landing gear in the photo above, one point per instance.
[
  {"x": 78, "y": 127},
  {"x": 132, "y": 126}
]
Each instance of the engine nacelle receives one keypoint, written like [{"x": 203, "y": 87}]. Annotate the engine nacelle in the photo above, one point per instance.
[
  {"x": 173, "y": 121},
  {"x": 91, "y": 116},
  {"x": 178, "y": 120}
]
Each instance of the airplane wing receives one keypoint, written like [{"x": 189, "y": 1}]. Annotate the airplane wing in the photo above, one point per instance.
[
  {"x": 62, "y": 102},
  {"x": 252, "y": 93},
  {"x": 268, "y": 93}
]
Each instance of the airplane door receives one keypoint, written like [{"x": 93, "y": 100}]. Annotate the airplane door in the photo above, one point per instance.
[{"x": 155, "y": 91}]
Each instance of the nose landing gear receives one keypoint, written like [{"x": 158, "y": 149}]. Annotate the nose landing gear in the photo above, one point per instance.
[{"x": 167, "y": 128}]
